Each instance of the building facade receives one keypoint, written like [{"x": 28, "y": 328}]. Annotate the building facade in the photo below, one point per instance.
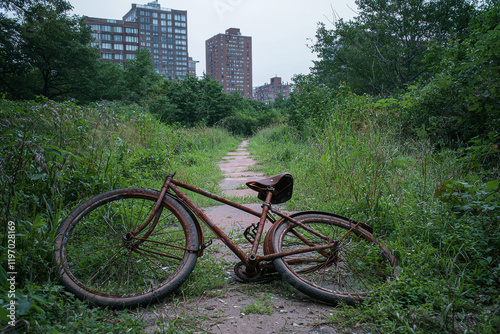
[
  {"x": 161, "y": 30},
  {"x": 269, "y": 93},
  {"x": 229, "y": 61}
]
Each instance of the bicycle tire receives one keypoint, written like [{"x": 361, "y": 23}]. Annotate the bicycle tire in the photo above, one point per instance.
[
  {"x": 349, "y": 271},
  {"x": 99, "y": 262}
]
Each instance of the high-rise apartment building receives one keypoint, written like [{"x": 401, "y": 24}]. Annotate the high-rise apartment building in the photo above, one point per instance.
[
  {"x": 161, "y": 30},
  {"x": 269, "y": 93},
  {"x": 229, "y": 61}
]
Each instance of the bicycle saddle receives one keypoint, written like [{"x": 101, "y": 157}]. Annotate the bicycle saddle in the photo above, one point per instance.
[{"x": 280, "y": 185}]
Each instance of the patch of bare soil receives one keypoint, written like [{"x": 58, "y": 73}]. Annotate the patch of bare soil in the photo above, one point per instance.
[{"x": 242, "y": 308}]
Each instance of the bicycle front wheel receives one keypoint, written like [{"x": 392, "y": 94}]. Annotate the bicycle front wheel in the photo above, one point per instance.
[
  {"x": 348, "y": 268},
  {"x": 99, "y": 259}
]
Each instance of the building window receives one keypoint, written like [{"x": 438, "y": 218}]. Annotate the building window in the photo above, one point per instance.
[
  {"x": 118, "y": 38},
  {"x": 118, "y": 56},
  {"x": 107, "y": 56},
  {"x": 117, "y": 29},
  {"x": 130, "y": 47},
  {"x": 118, "y": 46},
  {"x": 106, "y": 37},
  {"x": 131, "y": 30},
  {"x": 132, "y": 39},
  {"x": 180, "y": 17},
  {"x": 106, "y": 46},
  {"x": 106, "y": 28},
  {"x": 130, "y": 56}
]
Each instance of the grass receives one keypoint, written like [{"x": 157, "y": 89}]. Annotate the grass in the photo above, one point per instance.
[
  {"x": 354, "y": 165},
  {"x": 54, "y": 156},
  {"x": 371, "y": 175},
  {"x": 264, "y": 305}
]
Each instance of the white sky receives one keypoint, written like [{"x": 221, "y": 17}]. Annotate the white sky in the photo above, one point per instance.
[{"x": 280, "y": 29}]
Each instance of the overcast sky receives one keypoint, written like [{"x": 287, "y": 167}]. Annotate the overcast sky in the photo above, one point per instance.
[{"x": 281, "y": 30}]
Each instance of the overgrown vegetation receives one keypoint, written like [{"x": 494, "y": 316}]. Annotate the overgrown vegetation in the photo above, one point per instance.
[
  {"x": 440, "y": 218},
  {"x": 396, "y": 126},
  {"x": 423, "y": 168},
  {"x": 53, "y": 156}
]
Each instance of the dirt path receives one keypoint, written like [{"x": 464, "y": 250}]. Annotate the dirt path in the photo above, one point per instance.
[{"x": 243, "y": 308}]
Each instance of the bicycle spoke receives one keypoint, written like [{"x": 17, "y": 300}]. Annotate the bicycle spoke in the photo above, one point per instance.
[
  {"x": 160, "y": 253},
  {"x": 347, "y": 269}
]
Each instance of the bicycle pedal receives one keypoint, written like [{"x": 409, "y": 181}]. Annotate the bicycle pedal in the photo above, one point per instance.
[{"x": 250, "y": 233}]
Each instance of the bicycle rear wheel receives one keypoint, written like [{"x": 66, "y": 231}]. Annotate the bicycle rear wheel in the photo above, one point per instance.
[
  {"x": 100, "y": 261},
  {"x": 348, "y": 270}
]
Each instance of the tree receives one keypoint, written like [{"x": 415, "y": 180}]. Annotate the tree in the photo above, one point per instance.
[
  {"x": 108, "y": 83},
  {"x": 381, "y": 50},
  {"x": 191, "y": 101},
  {"x": 462, "y": 100},
  {"x": 44, "y": 50},
  {"x": 140, "y": 76}
]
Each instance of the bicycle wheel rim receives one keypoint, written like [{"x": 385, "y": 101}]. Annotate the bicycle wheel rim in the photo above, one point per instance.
[{"x": 102, "y": 263}]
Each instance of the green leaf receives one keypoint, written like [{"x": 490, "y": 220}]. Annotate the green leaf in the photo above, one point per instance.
[
  {"x": 492, "y": 185},
  {"x": 38, "y": 176}
]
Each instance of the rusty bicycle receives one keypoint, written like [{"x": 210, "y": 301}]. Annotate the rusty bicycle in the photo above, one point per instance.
[{"x": 135, "y": 246}]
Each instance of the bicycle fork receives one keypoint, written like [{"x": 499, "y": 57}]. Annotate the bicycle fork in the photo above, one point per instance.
[{"x": 155, "y": 213}]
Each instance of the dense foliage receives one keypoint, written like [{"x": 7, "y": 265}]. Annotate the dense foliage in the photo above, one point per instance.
[
  {"x": 447, "y": 91},
  {"x": 381, "y": 50},
  {"x": 418, "y": 159},
  {"x": 438, "y": 210},
  {"x": 53, "y": 156},
  {"x": 44, "y": 51}
]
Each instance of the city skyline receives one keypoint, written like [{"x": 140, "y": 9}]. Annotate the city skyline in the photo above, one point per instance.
[{"x": 281, "y": 30}]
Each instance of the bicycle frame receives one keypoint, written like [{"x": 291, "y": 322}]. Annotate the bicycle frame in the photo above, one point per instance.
[{"x": 251, "y": 260}]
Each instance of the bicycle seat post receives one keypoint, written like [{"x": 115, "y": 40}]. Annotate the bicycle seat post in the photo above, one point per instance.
[{"x": 252, "y": 256}]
